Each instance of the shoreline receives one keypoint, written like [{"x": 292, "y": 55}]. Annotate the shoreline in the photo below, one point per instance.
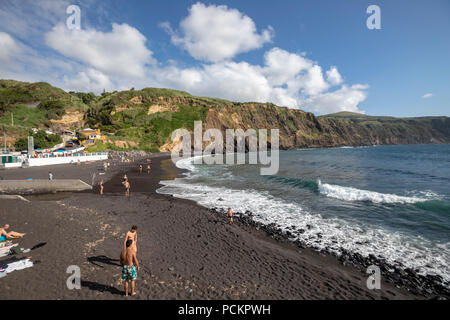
[
  {"x": 398, "y": 275},
  {"x": 187, "y": 251}
]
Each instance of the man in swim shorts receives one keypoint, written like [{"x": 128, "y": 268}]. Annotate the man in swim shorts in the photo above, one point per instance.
[{"x": 130, "y": 267}]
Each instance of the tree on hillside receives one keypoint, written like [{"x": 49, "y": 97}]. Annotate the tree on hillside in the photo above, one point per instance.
[{"x": 42, "y": 140}]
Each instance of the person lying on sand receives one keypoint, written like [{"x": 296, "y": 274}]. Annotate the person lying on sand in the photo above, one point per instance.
[
  {"x": 130, "y": 266},
  {"x": 230, "y": 215},
  {"x": 9, "y": 235},
  {"x": 131, "y": 235}
]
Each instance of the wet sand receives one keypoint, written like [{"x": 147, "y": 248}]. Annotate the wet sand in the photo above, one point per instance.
[{"x": 185, "y": 251}]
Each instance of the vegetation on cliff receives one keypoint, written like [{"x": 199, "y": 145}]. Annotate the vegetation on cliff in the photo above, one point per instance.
[{"x": 144, "y": 119}]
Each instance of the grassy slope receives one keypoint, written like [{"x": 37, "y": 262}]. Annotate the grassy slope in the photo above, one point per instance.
[
  {"x": 15, "y": 97},
  {"x": 145, "y": 131},
  {"x": 126, "y": 118}
]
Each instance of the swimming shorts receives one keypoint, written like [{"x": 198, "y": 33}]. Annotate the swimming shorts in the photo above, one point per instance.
[
  {"x": 3, "y": 238},
  {"x": 129, "y": 272}
]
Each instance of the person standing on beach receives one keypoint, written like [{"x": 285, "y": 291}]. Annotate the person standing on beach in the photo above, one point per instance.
[
  {"x": 230, "y": 215},
  {"x": 140, "y": 168},
  {"x": 131, "y": 235},
  {"x": 50, "y": 176},
  {"x": 127, "y": 188},
  {"x": 101, "y": 186},
  {"x": 130, "y": 266},
  {"x": 148, "y": 168}
]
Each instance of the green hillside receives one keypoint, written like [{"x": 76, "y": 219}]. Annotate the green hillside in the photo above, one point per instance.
[{"x": 144, "y": 119}]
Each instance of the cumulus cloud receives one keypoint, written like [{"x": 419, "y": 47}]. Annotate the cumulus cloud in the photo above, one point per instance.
[
  {"x": 228, "y": 80},
  {"x": 281, "y": 66},
  {"x": 427, "y": 95},
  {"x": 333, "y": 76},
  {"x": 216, "y": 33},
  {"x": 87, "y": 81},
  {"x": 344, "y": 99},
  {"x": 120, "y": 52},
  {"x": 92, "y": 60},
  {"x": 285, "y": 79}
]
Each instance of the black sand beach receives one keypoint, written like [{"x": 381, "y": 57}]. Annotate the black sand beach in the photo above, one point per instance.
[{"x": 186, "y": 251}]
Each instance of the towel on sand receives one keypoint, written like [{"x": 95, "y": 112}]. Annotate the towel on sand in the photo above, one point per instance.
[
  {"x": 5, "y": 243},
  {"x": 6, "y": 249},
  {"x": 19, "y": 265}
]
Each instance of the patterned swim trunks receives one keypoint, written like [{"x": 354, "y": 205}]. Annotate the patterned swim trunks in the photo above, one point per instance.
[{"x": 129, "y": 272}]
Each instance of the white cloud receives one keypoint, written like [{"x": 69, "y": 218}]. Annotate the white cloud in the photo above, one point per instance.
[
  {"x": 92, "y": 60},
  {"x": 227, "y": 80},
  {"x": 427, "y": 95},
  {"x": 30, "y": 18},
  {"x": 281, "y": 66},
  {"x": 87, "y": 81},
  {"x": 333, "y": 76},
  {"x": 297, "y": 83},
  {"x": 120, "y": 52},
  {"x": 313, "y": 82},
  {"x": 216, "y": 33},
  {"x": 10, "y": 48},
  {"x": 343, "y": 99}
]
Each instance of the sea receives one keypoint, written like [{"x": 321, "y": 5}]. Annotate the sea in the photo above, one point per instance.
[{"x": 389, "y": 201}]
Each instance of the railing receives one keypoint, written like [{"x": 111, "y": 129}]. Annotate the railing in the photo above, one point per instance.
[{"x": 64, "y": 155}]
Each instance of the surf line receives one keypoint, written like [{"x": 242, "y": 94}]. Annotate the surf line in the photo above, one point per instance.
[{"x": 235, "y": 141}]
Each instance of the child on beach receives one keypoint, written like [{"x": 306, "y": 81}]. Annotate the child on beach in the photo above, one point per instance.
[
  {"x": 101, "y": 186},
  {"x": 131, "y": 235},
  {"x": 148, "y": 168},
  {"x": 230, "y": 215}
]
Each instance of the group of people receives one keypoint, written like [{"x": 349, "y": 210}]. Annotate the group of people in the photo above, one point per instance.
[
  {"x": 128, "y": 255},
  {"x": 129, "y": 260},
  {"x": 148, "y": 166},
  {"x": 125, "y": 181}
]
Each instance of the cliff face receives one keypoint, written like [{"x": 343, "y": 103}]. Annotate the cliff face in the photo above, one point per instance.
[
  {"x": 145, "y": 119},
  {"x": 300, "y": 129}
]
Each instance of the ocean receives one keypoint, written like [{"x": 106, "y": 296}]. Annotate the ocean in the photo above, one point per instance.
[{"x": 389, "y": 201}]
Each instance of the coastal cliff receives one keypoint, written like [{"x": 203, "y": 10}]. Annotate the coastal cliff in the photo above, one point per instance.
[{"x": 144, "y": 119}]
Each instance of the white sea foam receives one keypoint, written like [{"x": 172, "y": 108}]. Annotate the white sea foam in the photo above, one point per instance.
[
  {"x": 319, "y": 232},
  {"x": 353, "y": 194},
  {"x": 187, "y": 163}
]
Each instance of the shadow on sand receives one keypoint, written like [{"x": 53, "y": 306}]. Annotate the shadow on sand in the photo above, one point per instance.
[
  {"x": 101, "y": 287},
  {"x": 39, "y": 245},
  {"x": 103, "y": 259}
]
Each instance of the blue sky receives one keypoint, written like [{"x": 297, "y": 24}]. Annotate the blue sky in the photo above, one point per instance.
[{"x": 314, "y": 55}]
